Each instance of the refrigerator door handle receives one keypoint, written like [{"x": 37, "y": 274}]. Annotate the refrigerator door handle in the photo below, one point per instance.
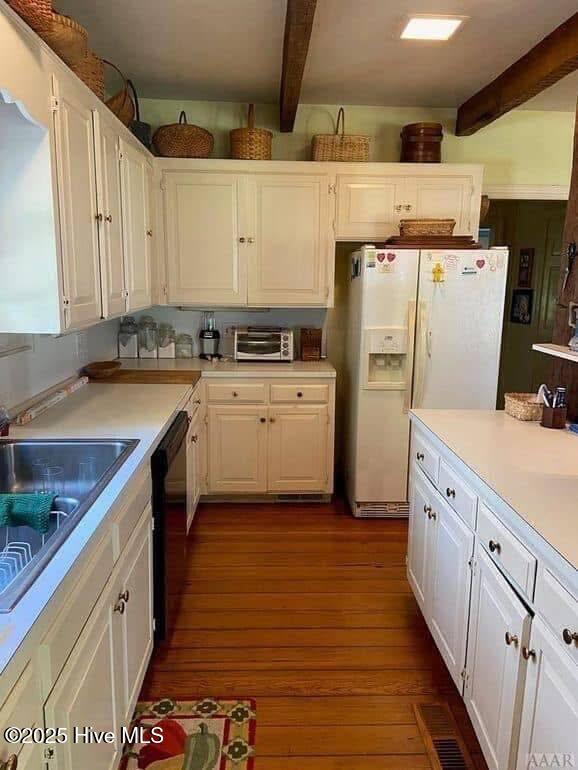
[
  {"x": 424, "y": 349},
  {"x": 411, "y": 320}
]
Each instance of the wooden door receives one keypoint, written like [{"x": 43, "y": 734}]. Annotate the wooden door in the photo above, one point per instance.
[
  {"x": 550, "y": 705},
  {"x": 137, "y": 227},
  {"x": 443, "y": 198},
  {"x": 420, "y": 534},
  {"x": 110, "y": 218},
  {"x": 77, "y": 206},
  {"x": 368, "y": 206},
  {"x": 193, "y": 467},
  {"x": 494, "y": 664},
  {"x": 237, "y": 448},
  {"x": 136, "y": 592},
  {"x": 88, "y": 691},
  {"x": 290, "y": 251},
  {"x": 452, "y": 547},
  {"x": 205, "y": 221},
  {"x": 298, "y": 442}
]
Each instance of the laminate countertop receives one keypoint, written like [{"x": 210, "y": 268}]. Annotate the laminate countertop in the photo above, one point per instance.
[
  {"x": 190, "y": 370},
  {"x": 533, "y": 469}
]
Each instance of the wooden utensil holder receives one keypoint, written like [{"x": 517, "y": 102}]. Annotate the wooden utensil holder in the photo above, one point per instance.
[{"x": 554, "y": 417}]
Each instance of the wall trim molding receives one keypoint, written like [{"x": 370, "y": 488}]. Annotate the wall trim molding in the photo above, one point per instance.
[{"x": 527, "y": 192}]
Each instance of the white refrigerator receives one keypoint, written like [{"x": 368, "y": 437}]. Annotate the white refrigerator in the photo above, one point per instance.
[{"x": 424, "y": 331}]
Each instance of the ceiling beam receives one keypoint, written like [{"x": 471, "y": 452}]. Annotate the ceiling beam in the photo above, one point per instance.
[
  {"x": 549, "y": 61},
  {"x": 298, "y": 25}
]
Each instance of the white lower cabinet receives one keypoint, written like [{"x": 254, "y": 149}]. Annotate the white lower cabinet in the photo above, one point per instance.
[
  {"x": 549, "y": 731},
  {"x": 237, "y": 448},
  {"x": 419, "y": 547},
  {"x": 194, "y": 470},
  {"x": 22, "y": 709},
  {"x": 499, "y": 629},
  {"x": 297, "y": 448}
]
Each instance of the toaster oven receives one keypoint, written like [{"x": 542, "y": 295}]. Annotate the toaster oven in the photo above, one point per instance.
[{"x": 264, "y": 343}]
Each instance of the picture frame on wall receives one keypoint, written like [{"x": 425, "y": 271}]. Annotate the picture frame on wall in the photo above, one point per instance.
[
  {"x": 521, "y": 309},
  {"x": 526, "y": 267}
]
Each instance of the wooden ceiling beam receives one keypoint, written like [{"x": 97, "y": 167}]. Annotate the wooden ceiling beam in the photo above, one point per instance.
[
  {"x": 549, "y": 61},
  {"x": 298, "y": 26}
]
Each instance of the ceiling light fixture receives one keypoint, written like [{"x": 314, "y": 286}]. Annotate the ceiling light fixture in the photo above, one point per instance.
[{"x": 423, "y": 27}]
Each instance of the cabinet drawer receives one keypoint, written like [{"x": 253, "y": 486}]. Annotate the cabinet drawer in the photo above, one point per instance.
[
  {"x": 299, "y": 394},
  {"x": 458, "y": 495},
  {"x": 507, "y": 550},
  {"x": 138, "y": 496},
  {"x": 426, "y": 457},
  {"x": 236, "y": 393},
  {"x": 557, "y": 605},
  {"x": 58, "y": 643}
]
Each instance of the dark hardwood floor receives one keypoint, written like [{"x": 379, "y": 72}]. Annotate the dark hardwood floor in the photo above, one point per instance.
[{"x": 307, "y": 610}]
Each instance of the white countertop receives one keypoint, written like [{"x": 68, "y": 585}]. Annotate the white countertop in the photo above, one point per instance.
[
  {"x": 230, "y": 368},
  {"x": 95, "y": 411},
  {"x": 533, "y": 469}
]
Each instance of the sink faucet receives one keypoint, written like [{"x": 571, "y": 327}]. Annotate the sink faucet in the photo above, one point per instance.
[{"x": 4, "y": 426}]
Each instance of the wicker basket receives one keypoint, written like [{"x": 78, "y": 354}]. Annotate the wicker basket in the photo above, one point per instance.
[
  {"x": 183, "y": 140},
  {"x": 417, "y": 227},
  {"x": 91, "y": 71},
  {"x": 523, "y": 406},
  {"x": 36, "y": 13},
  {"x": 66, "y": 37},
  {"x": 251, "y": 143},
  {"x": 340, "y": 146},
  {"x": 121, "y": 103}
]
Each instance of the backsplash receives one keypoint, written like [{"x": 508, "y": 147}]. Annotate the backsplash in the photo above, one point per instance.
[{"x": 51, "y": 360}]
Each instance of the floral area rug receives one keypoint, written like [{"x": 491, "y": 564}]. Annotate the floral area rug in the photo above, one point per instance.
[{"x": 207, "y": 734}]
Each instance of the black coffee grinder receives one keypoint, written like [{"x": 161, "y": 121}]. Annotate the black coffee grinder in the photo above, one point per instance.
[{"x": 209, "y": 338}]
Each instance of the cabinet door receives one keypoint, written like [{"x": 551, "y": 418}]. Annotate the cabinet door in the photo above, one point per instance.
[
  {"x": 443, "y": 198},
  {"x": 290, "y": 259},
  {"x": 368, "y": 206},
  {"x": 136, "y": 592},
  {"x": 22, "y": 709},
  {"x": 88, "y": 691},
  {"x": 193, "y": 467},
  {"x": 110, "y": 218},
  {"x": 75, "y": 162},
  {"x": 452, "y": 547},
  {"x": 550, "y": 713},
  {"x": 136, "y": 225},
  {"x": 298, "y": 439},
  {"x": 237, "y": 448},
  {"x": 494, "y": 677},
  {"x": 204, "y": 221},
  {"x": 420, "y": 534}
]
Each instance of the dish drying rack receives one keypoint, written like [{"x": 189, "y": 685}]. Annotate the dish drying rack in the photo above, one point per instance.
[{"x": 18, "y": 552}]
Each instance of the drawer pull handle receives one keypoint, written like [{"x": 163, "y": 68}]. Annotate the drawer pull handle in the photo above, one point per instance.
[
  {"x": 10, "y": 764},
  {"x": 511, "y": 639},
  {"x": 450, "y": 492},
  {"x": 299, "y": 394},
  {"x": 527, "y": 654},
  {"x": 120, "y": 607},
  {"x": 124, "y": 596},
  {"x": 420, "y": 456},
  {"x": 569, "y": 636},
  {"x": 494, "y": 546},
  {"x": 427, "y": 509}
]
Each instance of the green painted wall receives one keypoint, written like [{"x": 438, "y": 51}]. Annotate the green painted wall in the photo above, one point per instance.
[{"x": 523, "y": 147}]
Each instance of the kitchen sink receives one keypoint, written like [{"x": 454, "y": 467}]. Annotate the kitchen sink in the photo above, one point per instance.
[{"x": 75, "y": 472}]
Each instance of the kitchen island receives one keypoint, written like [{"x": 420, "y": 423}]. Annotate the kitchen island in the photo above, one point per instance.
[{"x": 492, "y": 561}]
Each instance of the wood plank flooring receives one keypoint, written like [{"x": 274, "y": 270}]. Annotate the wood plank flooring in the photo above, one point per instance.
[{"x": 309, "y": 611}]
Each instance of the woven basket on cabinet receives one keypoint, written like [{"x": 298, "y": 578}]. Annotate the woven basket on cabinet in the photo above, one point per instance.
[
  {"x": 91, "y": 71},
  {"x": 340, "y": 146},
  {"x": 251, "y": 143},
  {"x": 417, "y": 227},
  {"x": 523, "y": 406},
  {"x": 36, "y": 13},
  {"x": 183, "y": 140},
  {"x": 66, "y": 37},
  {"x": 121, "y": 103}
]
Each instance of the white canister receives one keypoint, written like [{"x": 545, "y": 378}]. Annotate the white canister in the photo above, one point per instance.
[{"x": 166, "y": 339}]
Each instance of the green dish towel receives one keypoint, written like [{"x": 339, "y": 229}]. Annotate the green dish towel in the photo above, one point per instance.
[{"x": 18, "y": 510}]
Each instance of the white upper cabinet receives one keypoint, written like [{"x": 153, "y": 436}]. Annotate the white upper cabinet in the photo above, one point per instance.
[
  {"x": 289, "y": 240},
  {"x": 206, "y": 238},
  {"x": 77, "y": 206},
  {"x": 110, "y": 217},
  {"x": 137, "y": 225},
  {"x": 370, "y": 205}
]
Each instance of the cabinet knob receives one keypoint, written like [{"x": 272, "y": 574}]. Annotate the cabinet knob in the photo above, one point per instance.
[
  {"x": 432, "y": 515},
  {"x": 420, "y": 456},
  {"x": 569, "y": 636},
  {"x": 408, "y": 207},
  {"x": 271, "y": 419},
  {"x": 262, "y": 419},
  {"x": 450, "y": 492},
  {"x": 511, "y": 639},
  {"x": 527, "y": 654},
  {"x": 197, "y": 401},
  {"x": 242, "y": 240},
  {"x": 98, "y": 217},
  {"x": 427, "y": 509},
  {"x": 235, "y": 394},
  {"x": 250, "y": 240},
  {"x": 398, "y": 207},
  {"x": 120, "y": 607},
  {"x": 10, "y": 764},
  {"x": 124, "y": 596},
  {"x": 108, "y": 217},
  {"x": 150, "y": 233},
  {"x": 494, "y": 546},
  {"x": 194, "y": 438},
  {"x": 299, "y": 394}
]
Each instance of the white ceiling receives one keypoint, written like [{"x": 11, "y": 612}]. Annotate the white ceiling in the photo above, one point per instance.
[{"x": 231, "y": 49}]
